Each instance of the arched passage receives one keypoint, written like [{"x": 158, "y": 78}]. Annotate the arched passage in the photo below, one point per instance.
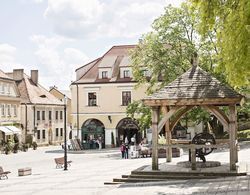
[
  {"x": 128, "y": 128},
  {"x": 93, "y": 132}
]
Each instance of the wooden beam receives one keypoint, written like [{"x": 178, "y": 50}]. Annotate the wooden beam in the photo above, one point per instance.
[
  {"x": 232, "y": 137},
  {"x": 178, "y": 116},
  {"x": 194, "y": 102},
  {"x": 219, "y": 115},
  {"x": 167, "y": 117},
  {"x": 168, "y": 136},
  {"x": 155, "y": 118}
]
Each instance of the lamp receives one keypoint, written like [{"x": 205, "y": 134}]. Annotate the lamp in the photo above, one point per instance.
[
  {"x": 65, "y": 135},
  {"x": 110, "y": 119}
]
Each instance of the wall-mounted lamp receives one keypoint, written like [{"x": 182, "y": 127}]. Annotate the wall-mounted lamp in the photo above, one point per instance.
[{"x": 110, "y": 119}]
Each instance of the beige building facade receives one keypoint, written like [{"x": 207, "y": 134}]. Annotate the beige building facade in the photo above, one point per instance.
[
  {"x": 65, "y": 97},
  {"x": 42, "y": 114},
  {"x": 10, "y": 117},
  {"x": 100, "y": 95}
]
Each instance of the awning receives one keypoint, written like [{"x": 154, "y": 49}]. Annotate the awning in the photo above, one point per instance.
[
  {"x": 14, "y": 129},
  {"x": 6, "y": 130}
]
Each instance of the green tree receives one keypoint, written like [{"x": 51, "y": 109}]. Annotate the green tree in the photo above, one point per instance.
[
  {"x": 137, "y": 110},
  {"x": 230, "y": 19},
  {"x": 167, "y": 50}
]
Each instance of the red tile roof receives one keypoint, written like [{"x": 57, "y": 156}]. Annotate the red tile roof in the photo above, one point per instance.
[{"x": 116, "y": 57}]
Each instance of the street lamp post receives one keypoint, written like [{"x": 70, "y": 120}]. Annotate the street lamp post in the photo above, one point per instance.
[{"x": 65, "y": 137}]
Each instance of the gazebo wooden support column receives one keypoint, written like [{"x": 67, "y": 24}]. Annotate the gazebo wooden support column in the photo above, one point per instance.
[
  {"x": 155, "y": 120},
  {"x": 232, "y": 137},
  {"x": 168, "y": 136}
]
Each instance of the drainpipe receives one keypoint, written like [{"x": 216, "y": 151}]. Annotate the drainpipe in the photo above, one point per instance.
[
  {"x": 34, "y": 119},
  {"x": 26, "y": 123},
  {"x": 77, "y": 114}
]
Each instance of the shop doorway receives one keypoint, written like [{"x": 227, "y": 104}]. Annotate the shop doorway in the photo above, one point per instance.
[
  {"x": 128, "y": 128},
  {"x": 93, "y": 133}
]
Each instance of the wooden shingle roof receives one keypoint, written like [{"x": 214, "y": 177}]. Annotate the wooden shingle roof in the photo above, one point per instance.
[{"x": 194, "y": 87}]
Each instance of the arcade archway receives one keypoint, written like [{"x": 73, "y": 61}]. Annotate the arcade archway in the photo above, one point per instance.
[
  {"x": 93, "y": 132},
  {"x": 128, "y": 128}
]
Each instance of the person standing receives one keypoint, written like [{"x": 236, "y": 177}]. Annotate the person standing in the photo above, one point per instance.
[
  {"x": 122, "y": 149},
  {"x": 126, "y": 151}
]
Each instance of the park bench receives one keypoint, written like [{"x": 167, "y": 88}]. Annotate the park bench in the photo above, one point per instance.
[
  {"x": 60, "y": 162},
  {"x": 3, "y": 174}
]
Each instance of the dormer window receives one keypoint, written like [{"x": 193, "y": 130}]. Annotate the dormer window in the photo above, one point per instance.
[
  {"x": 146, "y": 73},
  {"x": 126, "y": 74},
  {"x": 104, "y": 74}
]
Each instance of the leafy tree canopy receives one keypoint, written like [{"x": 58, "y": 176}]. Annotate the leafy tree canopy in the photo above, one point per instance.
[
  {"x": 167, "y": 50},
  {"x": 230, "y": 19}
]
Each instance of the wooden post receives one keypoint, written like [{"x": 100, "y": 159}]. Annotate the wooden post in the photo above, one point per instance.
[
  {"x": 232, "y": 137},
  {"x": 155, "y": 119},
  {"x": 193, "y": 157},
  {"x": 168, "y": 137}
]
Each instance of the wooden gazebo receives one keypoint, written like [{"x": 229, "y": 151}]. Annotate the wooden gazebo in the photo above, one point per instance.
[{"x": 194, "y": 88}]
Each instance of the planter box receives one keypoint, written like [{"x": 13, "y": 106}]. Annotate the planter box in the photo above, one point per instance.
[{"x": 24, "y": 171}]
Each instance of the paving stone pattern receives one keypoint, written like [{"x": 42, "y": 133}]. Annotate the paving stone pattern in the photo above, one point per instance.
[{"x": 91, "y": 169}]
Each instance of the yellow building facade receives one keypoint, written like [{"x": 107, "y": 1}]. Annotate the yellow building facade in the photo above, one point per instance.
[{"x": 100, "y": 95}]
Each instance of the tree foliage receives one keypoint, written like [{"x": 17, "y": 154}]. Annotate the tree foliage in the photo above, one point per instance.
[
  {"x": 137, "y": 110},
  {"x": 167, "y": 50},
  {"x": 230, "y": 19}
]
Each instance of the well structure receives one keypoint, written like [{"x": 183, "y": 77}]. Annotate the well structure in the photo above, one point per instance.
[{"x": 194, "y": 88}]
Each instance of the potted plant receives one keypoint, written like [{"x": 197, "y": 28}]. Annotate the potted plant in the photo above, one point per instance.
[
  {"x": 34, "y": 145},
  {"x": 25, "y": 147},
  {"x": 16, "y": 147},
  {"x": 7, "y": 148},
  {"x": 112, "y": 140}
]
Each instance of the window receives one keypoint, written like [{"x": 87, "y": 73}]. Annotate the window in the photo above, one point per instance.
[
  {"x": 126, "y": 73},
  {"x": 92, "y": 99},
  {"x": 14, "y": 107},
  {"x": 44, "y": 134},
  {"x": 126, "y": 98},
  {"x": 56, "y": 115},
  {"x": 3, "y": 110},
  {"x": 104, "y": 74},
  {"x": 146, "y": 73},
  {"x": 38, "y": 134},
  {"x": 8, "y": 110},
  {"x": 61, "y": 131},
  {"x": 50, "y": 115},
  {"x": 3, "y": 88},
  {"x": 43, "y": 115},
  {"x": 57, "y": 132},
  {"x": 61, "y": 114},
  {"x": 8, "y": 88},
  {"x": 38, "y": 115}
]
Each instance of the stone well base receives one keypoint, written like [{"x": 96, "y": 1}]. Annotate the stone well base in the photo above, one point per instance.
[{"x": 208, "y": 164}]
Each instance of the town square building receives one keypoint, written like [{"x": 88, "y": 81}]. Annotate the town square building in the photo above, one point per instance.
[
  {"x": 100, "y": 95},
  {"x": 10, "y": 117},
  {"x": 42, "y": 117}
]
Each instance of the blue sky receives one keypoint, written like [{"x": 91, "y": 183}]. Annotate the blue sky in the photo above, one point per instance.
[{"x": 58, "y": 36}]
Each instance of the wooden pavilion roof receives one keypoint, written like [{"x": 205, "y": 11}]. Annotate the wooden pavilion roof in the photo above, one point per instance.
[{"x": 194, "y": 87}]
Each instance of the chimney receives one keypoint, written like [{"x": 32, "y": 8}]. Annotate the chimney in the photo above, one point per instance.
[
  {"x": 34, "y": 76},
  {"x": 18, "y": 74}
]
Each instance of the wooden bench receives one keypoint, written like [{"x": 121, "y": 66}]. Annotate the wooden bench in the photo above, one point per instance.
[
  {"x": 3, "y": 174},
  {"x": 24, "y": 171},
  {"x": 60, "y": 162}
]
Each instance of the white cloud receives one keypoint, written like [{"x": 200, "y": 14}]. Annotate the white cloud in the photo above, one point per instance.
[
  {"x": 57, "y": 62},
  {"x": 8, "y": 57},
  {"x": 96, "y": 18}
]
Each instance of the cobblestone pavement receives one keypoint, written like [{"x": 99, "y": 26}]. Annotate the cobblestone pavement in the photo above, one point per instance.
[{"x": 91, "y": 169}]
